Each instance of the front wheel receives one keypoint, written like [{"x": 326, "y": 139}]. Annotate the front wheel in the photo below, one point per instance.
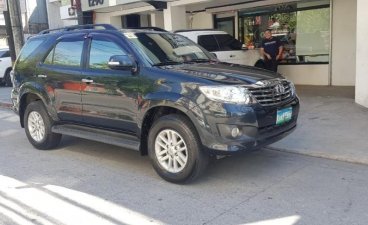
[
  {"x": 37, "y": 125},
  {"x": 175, "y": 149}
]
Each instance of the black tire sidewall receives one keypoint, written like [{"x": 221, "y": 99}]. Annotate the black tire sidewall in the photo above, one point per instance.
[{"x": 178, "y": 124}]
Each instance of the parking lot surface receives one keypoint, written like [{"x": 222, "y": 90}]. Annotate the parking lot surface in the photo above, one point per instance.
[{"x": 84, "y": 182}]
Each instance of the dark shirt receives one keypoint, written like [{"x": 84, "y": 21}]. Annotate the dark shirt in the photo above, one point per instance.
[{"x": 271, "y": 46}]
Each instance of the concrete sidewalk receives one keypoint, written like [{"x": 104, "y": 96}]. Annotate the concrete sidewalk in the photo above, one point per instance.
[{"x": 330, "y": 125}]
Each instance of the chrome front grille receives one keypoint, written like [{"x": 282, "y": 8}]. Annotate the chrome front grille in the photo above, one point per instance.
[{"x": 272, "y": 93}]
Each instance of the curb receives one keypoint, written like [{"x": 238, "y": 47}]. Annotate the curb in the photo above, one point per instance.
[{"x": 320, "y": 155}]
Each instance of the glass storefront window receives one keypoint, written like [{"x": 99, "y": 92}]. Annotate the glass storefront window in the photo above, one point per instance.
[{"x": 303, "y": 29}]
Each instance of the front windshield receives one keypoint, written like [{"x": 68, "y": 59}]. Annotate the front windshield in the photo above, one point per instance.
[{"x": 167, "y": 48}]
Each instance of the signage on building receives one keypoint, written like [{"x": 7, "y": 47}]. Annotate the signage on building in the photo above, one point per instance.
[
  {"x": 92, "y": 3},
  {"x": 88, "y": 5},
  {"x": 95, "y": 4}
]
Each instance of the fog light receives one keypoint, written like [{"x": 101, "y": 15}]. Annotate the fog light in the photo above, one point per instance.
[{"x": 235, "y": 132}]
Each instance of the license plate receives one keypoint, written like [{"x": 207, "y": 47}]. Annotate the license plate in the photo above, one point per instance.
[{"x": 284, "y": 115}]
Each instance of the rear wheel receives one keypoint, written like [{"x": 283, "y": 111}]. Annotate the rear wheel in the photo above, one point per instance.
[
  {"x": 7, "y": 80},
  {"x": 175, "y": 149},
  {"x": 37, "y": 125}
]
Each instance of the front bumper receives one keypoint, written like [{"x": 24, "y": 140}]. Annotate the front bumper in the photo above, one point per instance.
[{"x": 256, "y": 125}]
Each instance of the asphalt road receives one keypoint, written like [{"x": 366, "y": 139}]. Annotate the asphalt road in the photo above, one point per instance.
[{"x": 84, "y": 182}]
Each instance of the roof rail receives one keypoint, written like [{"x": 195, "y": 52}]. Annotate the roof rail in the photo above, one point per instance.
[
  {"x": 79, "y": 27},
  {"x": 188, "y": 30},
  {"x": 146, "y": 28}
]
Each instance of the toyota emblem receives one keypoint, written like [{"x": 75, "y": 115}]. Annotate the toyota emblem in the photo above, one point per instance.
[{"x": 279, "y": 89}]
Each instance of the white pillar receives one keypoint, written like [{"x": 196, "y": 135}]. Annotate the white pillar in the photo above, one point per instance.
[
  {"x": 361, "y": 85},
  {"x": 157, "y": 20},
  {"x": 175, "y": 17},
  {"x": 116, "y": 21}
]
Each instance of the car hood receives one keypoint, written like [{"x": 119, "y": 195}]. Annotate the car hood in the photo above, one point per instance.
[{"x": 225, "y": 73}]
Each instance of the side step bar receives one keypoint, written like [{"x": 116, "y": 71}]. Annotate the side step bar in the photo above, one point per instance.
[{"x": 108, "y": 137}]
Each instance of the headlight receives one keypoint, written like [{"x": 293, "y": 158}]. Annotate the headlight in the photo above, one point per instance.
[
  {"x": 228, "y": 94},
  {"x": 292, "y": 88}
]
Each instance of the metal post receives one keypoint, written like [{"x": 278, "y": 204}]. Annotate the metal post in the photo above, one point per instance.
[
  {"x": 9, "y": 36},
  {"x": 79, "y": 12},
  {"x": 16, "y": 24}
]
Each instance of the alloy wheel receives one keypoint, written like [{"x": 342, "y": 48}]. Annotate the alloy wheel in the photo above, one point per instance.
[{"x": 171, "y": 151}]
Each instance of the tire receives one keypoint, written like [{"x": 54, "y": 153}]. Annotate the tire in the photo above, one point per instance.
[
  {"x": 190, "y": 163},
  {"x": 7, "y": 80},
  {"x": 37, "y": 124}
]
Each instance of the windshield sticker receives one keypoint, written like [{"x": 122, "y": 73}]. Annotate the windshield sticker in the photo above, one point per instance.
[{"x": 130, "y": 35}]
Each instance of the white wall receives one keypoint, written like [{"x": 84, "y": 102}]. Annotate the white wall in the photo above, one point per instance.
[
  {"x": 144, "y": 20},
  {"x": 361, "y": 90},
  {"x": 53, "y": 15},
  {"x": 157, "y": 20},
  {"x": 344, "y": 42},
  {"x": 102, "y": 18},
  {"x": 115, "y": 21},
  {"x": 175, "y": 17},
  {"x": 200, "y": 20},
  {"x": 54, "y": 18},
  {"x": 306, "y": 74}
]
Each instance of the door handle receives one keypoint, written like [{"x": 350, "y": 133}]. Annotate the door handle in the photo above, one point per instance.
[
  {"x": 42, "y": 76},
  {"x": 232, "y": 56},
  {"x": 87, "y": 81}
]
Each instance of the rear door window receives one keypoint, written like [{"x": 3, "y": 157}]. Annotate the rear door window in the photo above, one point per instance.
[
  {"x": 208, "y": 42},
  {"x": 228, "y": 42},
  {"x": 66, "y": 53},
  {"x": 30, "y": 46}
]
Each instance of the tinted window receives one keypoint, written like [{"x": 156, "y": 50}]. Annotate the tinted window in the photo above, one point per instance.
[
  {"x": 29, "y": 47},
  {"x": 227, "y": 42},
  {"x": 166, "y": 48},
  {"x": 4, "y": 54},
  {"x": 100, "y": 53},
  {"x": 66, "y": 53},
  {"x": 208, "y": 42}
]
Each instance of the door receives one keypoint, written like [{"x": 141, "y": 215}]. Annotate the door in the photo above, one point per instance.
[
  {"x": 61, "y": 74},
  {"x": 228, "y": 49},
  {"x": 109, "y": 99}
]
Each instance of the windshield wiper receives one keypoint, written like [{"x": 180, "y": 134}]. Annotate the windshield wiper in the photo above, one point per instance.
[
  {"x": 199, "y": 60},
  {"x": 166, "y": 63}
]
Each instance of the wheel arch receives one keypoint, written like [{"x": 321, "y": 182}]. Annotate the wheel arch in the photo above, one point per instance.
[
  {"x": 30, "y": 93},
  {"x": 159, "y": 110}
]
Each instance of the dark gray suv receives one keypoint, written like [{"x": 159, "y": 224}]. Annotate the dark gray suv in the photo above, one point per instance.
[{"x": 155, "y": 92}]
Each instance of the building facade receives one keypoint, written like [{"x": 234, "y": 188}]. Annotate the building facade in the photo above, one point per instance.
[
  {"x": 323, "y": 39},
  {"x": 34, "y": 18}
]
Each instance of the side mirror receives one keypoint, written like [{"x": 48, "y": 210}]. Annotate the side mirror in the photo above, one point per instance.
[{"x": 122, "y": 62}]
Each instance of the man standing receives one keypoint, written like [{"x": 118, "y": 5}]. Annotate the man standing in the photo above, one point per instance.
[{"x": 271, "y": 50}]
